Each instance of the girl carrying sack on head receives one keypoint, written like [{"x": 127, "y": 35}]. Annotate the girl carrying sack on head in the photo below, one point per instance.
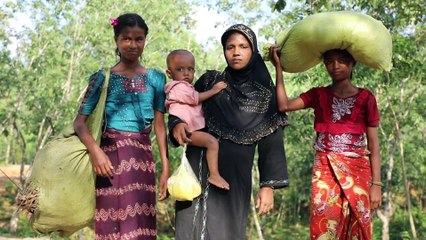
[{"x": 346, "y": 185}]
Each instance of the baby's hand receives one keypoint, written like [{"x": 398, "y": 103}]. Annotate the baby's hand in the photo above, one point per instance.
[{"x": 219, "y": 86}]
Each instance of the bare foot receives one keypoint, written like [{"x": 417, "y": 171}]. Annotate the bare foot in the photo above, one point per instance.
[{"x": 218, "y": 181}]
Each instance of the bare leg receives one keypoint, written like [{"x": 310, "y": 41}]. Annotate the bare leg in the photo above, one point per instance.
[{"x": 203, "y": 139}]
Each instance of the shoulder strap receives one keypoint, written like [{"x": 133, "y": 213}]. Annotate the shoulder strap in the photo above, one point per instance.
[
  {"x": 96, "y": 119},
  {"x": 107, "y": 72}
]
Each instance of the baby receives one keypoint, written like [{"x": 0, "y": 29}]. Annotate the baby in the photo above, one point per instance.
[{"x": 184, "y": 102}]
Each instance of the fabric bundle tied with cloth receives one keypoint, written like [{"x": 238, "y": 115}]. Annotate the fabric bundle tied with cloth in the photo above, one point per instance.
[
  {"x": 364, "y": 37},
  {"x": 59, "y": 193}
]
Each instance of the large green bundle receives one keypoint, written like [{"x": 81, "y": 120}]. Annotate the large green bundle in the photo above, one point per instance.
[
  {"x": 59, "y": 193},
  {"x": 366, "y": 38}
]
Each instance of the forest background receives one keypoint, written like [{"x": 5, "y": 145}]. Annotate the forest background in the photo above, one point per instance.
[{"x": 44, "y": 67}]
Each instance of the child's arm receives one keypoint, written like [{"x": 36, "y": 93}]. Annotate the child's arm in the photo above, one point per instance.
[
  {"x": 374, "y": 148},
  {"x": 203, "y": 96},
  {"x": 100, "y": 161},
  {"x": 284, "y": 105},
  {"x": 160, "y": 133}
]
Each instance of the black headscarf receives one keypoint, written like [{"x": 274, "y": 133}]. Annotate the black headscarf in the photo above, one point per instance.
[{"x": 246, "y": 110}]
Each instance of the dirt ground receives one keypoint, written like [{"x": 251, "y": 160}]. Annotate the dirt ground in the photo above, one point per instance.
[{"x": 12, "y": 171}]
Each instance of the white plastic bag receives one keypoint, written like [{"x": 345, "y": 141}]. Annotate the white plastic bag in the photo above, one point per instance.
[{"x": 183, "y": 185}]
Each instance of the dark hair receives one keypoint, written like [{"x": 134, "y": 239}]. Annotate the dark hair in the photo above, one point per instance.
[
  {"x": 343, "y": 53},
  {"x": 129, "y": 20},
  {"x": 175, "y": 53}
]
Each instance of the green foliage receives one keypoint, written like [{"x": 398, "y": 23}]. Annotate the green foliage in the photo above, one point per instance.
[
  {"x": 279, "y": 5},
  {"x": 41, "y": 84}
]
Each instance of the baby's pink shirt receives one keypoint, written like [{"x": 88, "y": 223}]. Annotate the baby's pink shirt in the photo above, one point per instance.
[{"x": 183, "y": 102}]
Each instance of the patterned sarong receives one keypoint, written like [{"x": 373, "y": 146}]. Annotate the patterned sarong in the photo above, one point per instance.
[
  {"x": 340, "y": 202},
  {"x": 125, "y": 204}
]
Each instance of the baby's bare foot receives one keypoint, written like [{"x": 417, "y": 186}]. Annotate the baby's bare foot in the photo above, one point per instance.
[{"x": 218, "y": 181}]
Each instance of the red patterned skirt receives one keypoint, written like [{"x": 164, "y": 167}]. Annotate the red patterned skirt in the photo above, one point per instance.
[
  {"x": 340, "y": 202},
  {"x": 125, "y": 204}
]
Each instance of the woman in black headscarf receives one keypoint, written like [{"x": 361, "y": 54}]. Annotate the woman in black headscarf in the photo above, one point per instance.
[{"x": 242, "y": 116}]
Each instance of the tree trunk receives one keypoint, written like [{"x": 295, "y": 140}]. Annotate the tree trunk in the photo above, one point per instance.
[
  {"x": 401, "y": 151},
  {"x": 256, "y": 219},
  {"x": 254, "y": 179},
  {"x": 424, "y": 203},
  {"x": 387, "y": 210},
  {"x": 385, "y": 223},
  {"x": 11, "y": 144},
  {"x": 9, "y": 127},
  {"x": 13, "y": 223},
  {"x": 407, "y": 192},
  {"x": 49, "y": 131},
  {"x": 40, "y": 131},
  {"x": 7, "y": 154}
]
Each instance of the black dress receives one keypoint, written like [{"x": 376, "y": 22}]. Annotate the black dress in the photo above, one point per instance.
[{"x": 222, "y": 214}]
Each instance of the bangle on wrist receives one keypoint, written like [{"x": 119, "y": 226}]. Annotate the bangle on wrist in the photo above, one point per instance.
[{"x": 378, "y": 183}]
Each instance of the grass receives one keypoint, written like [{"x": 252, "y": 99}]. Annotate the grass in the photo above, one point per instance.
[{"x": 8, "y": 191}]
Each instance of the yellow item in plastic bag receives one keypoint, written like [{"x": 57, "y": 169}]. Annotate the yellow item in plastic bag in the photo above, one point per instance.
[
  {"x": 364, "y": 37},
  {"x": 183, "y": 184}
]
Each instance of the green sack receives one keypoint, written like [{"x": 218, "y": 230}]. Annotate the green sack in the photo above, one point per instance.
[
  {"x": 364, "y": 37},
  {"x": 59, "y": 193}
]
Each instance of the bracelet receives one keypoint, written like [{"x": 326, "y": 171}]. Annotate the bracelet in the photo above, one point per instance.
[
  {"x": 378, "y": 183},
  {"x": 268, "y": 186}
]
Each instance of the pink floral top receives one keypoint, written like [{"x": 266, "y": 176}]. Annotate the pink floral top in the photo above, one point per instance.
[{"x": 341, "y": 123}]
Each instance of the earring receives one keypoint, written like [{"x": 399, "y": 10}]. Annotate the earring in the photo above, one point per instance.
[{"x": 117, "y": 52}]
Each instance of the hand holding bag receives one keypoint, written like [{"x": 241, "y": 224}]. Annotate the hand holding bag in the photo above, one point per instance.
[{"x": 59, "y": 193}]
